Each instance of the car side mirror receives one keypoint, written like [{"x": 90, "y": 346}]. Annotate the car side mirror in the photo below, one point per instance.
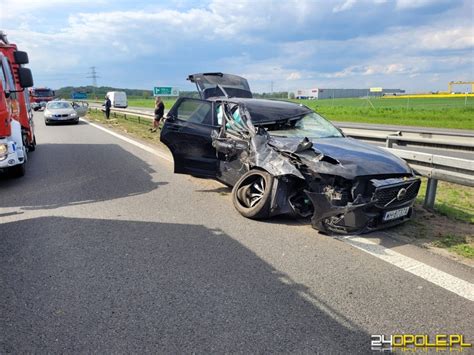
[
  {"x": 224, "y": 146},
  {"x": 228, "y": 146},
  {"x": 25, "y": 77},
  {"x": 20, "y": 57}
]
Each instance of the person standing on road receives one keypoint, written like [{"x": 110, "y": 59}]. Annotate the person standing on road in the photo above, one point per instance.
[
  {"x": 159, "y": 112},
  {"x": 107, "y": 105}
]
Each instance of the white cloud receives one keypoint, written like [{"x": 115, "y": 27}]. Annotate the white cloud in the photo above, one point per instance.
[
  {"x": 413, "y": 4},
  {"x": 108, "y": 37},
  {"x": 374, "y": 69},
  {"x": 451, "y": 38},
  {"x": 14, "y": 8},
  {"x": 346, "y": 5},
  {"x": 294, "y": 76}
]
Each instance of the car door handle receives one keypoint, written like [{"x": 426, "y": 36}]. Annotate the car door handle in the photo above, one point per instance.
[{"x": 173, "y": 126}]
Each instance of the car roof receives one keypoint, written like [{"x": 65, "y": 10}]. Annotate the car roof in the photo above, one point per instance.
[
  {"x": 56, "y": 101},
  {"x": 263, "y": 110}
]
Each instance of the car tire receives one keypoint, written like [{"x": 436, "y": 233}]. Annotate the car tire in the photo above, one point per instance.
[
  {"x": 32, "y": 146},
  {"x": 18, "y": 171},
  {"x": 251, "y": 194}
]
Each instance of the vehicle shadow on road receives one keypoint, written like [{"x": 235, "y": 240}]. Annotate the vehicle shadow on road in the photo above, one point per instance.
[
  {"x": 60, "y": 124},
  {"x": 108, "y": 286},
  {"x": 70, "y": 174}
]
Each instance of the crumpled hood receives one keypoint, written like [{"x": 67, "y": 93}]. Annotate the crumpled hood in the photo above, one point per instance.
[{"x": 355, "y": 158}]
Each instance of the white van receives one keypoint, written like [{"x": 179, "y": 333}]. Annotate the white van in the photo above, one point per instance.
[{"x": 118, "y": 99}]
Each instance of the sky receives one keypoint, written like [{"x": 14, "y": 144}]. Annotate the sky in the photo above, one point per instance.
[{"x": 416, "y": 45}]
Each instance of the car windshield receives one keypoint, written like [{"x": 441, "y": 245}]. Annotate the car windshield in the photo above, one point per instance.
[
  {"x": 58, "y": 105},
  {"x": 42, "y": 93},
  {"x": 309, "y": 125}
]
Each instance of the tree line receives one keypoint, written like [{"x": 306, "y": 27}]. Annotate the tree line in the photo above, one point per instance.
[{"x": 99, "y": 93}]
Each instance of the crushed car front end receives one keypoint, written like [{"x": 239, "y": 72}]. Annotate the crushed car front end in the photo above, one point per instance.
[
  {"x": 345, "y": 185},
  {"x": 379, "y": 203}
]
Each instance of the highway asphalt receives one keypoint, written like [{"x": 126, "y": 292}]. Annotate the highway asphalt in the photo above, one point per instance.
[{"x": 104, "y": 250}]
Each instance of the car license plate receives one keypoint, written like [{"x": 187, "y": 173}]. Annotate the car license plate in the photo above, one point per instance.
[{"x": 389, "y": 215}]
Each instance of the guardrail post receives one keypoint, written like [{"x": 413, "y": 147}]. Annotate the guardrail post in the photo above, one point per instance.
[
  {"x": 389, "y": 142},
  {"x": 430, "y": 193}
]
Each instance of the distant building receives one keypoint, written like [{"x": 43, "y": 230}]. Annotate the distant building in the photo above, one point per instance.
[{"x": 319, "y": 93}]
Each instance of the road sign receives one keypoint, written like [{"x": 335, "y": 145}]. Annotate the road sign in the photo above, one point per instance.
[
  {"x": 376, "y": 89},
  {"x": 165, "y": 91},
  {"x": 79, "y": 96}
]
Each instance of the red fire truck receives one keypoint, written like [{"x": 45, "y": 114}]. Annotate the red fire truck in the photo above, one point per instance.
[
  {"x": 39, "y": 97},
  {"x": 16, "y": 119}
]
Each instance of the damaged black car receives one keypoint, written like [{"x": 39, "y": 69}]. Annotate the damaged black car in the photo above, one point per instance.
[{"x": 282, "y": 158}]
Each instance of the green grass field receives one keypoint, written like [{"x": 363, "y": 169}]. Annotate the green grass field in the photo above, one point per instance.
[
  {"x": 426, "y": 112},
  {"x": 150, "y": 103},
  {"x": 456, "y": 112}
]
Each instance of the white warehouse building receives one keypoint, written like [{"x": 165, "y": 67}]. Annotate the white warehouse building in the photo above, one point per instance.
[{"x": 319, "y": 93}]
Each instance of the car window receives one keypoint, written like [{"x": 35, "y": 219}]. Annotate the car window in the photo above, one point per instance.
[
  {"x": 10, "y": 84},
  {"x": 236, "y": 117},
  {"x": 3, "y": 77},
  {"x": 195, "y": 111},
  {"x": 58, "y": 105},
  {"x": 310, "y": 125}
]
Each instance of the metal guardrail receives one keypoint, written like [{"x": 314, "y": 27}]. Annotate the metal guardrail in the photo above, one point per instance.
[
  {"x": 454, "y": 141},
  {"x": 438, "y": 167},
  {"x": 434, "y": 167}
]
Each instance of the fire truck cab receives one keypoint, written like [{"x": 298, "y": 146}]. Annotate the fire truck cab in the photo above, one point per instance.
[
  {"x": 39, "y": 97},
  {"x": 16, "y": 119}
]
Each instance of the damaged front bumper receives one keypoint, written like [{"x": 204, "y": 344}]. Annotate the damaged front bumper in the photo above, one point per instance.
[{"x": 390, "y": 204}]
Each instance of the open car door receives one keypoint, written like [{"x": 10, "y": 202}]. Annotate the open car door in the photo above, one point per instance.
[
  {"x": 219, "y": 84},
  {"x": 187, "y": 134},
  {"x": 80, "y": 107}
]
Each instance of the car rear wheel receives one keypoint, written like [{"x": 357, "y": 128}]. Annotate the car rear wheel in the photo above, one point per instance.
[{"x": 251, "y": 194}]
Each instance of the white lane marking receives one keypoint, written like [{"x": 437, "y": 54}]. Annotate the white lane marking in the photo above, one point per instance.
[
  {"x": 448, "y": 282},
  {"x": 131, "y": 141},
  {"x": 440, "y": 278}
]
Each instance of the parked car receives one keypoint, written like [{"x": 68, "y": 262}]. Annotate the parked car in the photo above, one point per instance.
[
  {"x": 283, "y": 158},
  {"x": 59, "y": 111}
]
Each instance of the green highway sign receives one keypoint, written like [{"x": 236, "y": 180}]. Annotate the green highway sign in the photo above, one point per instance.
[{"x": 165, "y": 91}]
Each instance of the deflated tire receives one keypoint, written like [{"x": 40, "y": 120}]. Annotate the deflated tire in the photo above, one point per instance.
[{"x": 251, "y": 195}]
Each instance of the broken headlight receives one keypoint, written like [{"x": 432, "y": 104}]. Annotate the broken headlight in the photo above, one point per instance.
[{"x": 338, "y": 196}]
